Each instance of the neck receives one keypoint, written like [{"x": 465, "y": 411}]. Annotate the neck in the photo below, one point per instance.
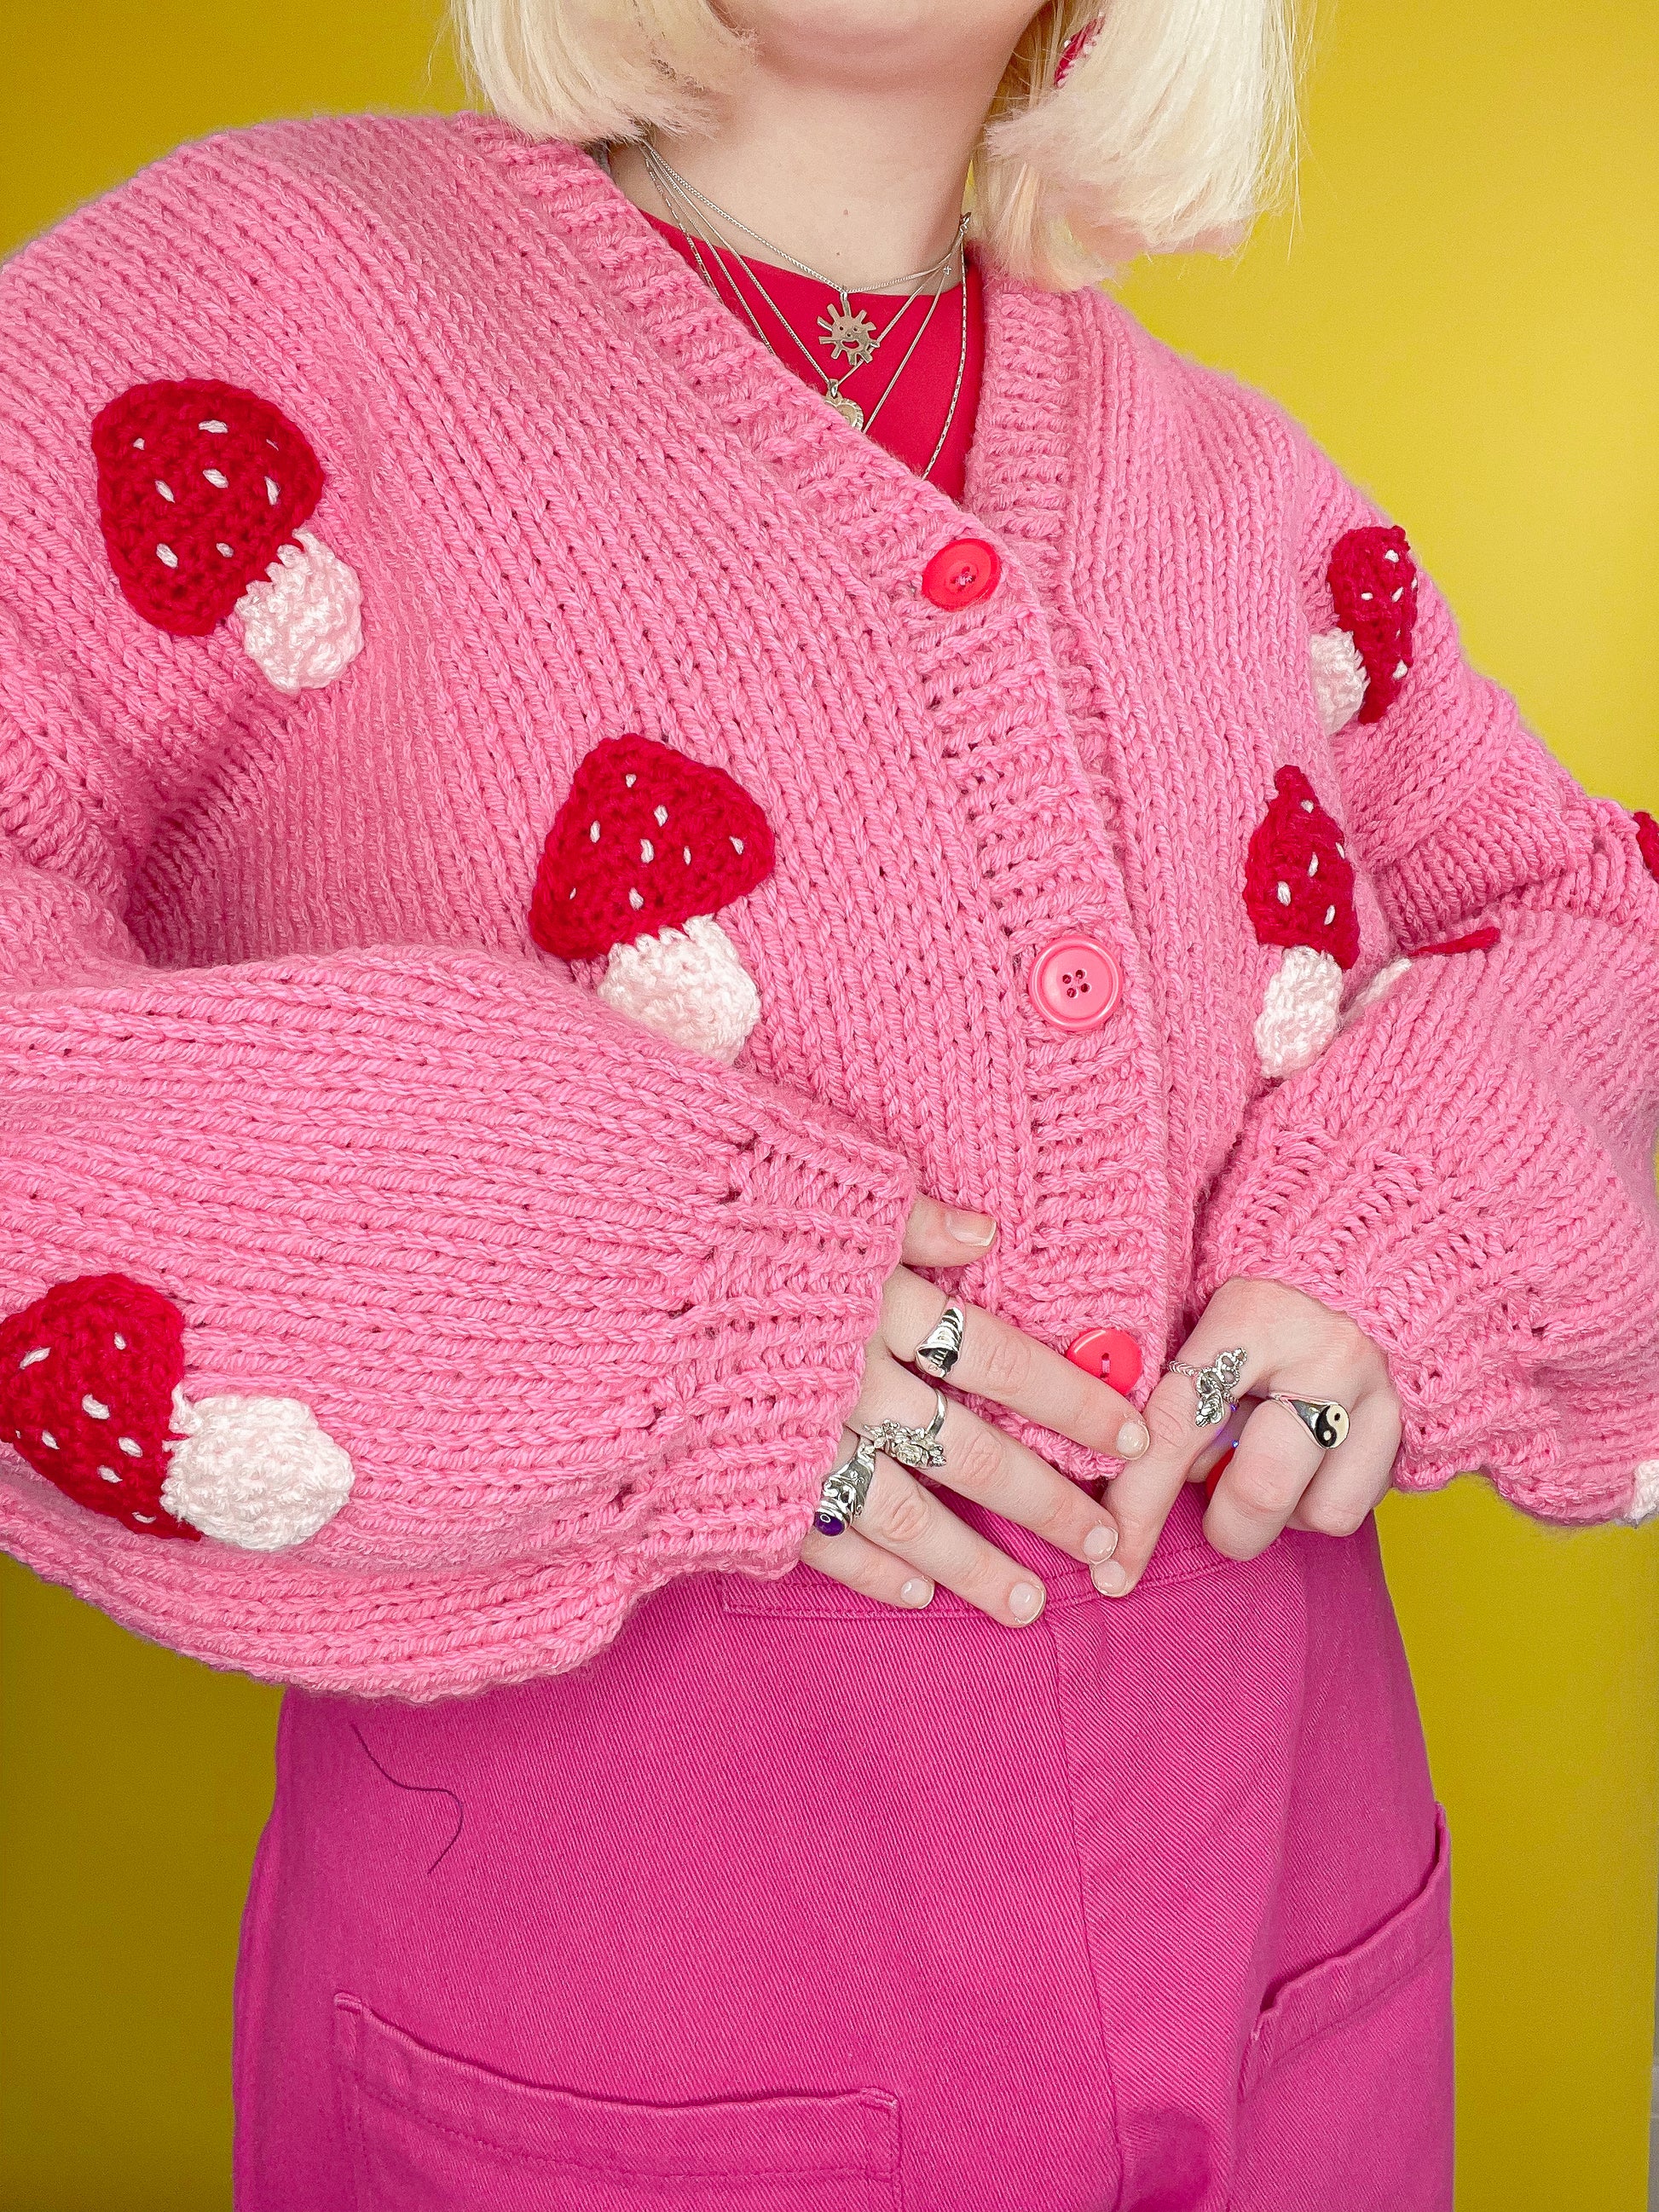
[{"x": 862, "y": 182}]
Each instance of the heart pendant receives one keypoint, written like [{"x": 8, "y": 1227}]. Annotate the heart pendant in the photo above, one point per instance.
[{"x": 848, "y": 410}]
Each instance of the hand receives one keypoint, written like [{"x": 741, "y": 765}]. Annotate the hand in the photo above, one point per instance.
[
  {"x": 907, "y": 1538},
  {"x": 1277, "y": 1477}
]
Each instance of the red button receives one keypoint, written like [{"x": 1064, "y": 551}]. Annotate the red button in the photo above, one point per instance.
[
  {"x": 1111, "y": 1353},
  {"x": 965, "y": 570},
  {"x": 1076, "y": 983},
  {"x": 1214, "y": 1476}
]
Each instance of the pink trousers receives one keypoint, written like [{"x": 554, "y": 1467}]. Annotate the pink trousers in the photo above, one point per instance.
[{"x": 788, "y": 1900}]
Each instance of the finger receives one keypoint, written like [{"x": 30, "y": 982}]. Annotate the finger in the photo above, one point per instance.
[
  {"x": 938, "y": 1235},
  {"x": 918, "y": 1526},
  {"x": 983, "y": 1463},
  {"x": 1141, "y": 1498},
  {"x": 861, "y": 1565},
  {"x": 1275, "y": 1461},
  {"x": 1001, "y": 1363},
  {"x": 1353, "y": 1478}
]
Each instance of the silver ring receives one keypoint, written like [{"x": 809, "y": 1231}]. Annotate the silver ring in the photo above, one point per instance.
[
  {"x": 1325, "y": 1420},
  {"x": 940, "y": 1349},
  {"x": 911, "y": 1447},
  {"x": 845, "y": 1489},
  {"x": 1216, "y": 1385}
]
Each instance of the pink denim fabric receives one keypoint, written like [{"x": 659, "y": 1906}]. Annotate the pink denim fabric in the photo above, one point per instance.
[{"x": 786, "y": 1900}]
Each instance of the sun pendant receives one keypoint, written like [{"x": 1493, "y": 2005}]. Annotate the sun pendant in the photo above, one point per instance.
[
  {"x": 848, "y": 410},
  {"x": 845, "y": 333}
]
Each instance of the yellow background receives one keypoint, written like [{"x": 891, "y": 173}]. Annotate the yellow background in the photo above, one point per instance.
[{"x": 1466, "y": 315}]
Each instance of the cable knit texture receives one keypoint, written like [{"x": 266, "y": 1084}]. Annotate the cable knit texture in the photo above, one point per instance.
[{"x": 583, "y": 1309}]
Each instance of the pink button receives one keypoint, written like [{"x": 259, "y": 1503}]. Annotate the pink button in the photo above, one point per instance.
[
  {"x": 1076, "y": 983},
  {"x": 1111, "y": 1353},
  {"x": 964, "y": 570}
]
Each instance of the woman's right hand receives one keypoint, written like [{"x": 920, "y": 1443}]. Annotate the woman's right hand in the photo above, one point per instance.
[{"x": 906, "y": 1540}]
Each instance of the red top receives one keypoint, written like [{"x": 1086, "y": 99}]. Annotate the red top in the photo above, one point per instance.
[{"x": 909, "y": 423}]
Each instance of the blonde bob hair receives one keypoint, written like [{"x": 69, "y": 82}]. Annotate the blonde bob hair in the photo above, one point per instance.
[{"x": 1172, "y": 128}]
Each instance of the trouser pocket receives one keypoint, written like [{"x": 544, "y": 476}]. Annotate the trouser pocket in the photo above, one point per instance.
[
  {"x": 433, "y": 2133},
  {"x": 1346, "y": 2092}
]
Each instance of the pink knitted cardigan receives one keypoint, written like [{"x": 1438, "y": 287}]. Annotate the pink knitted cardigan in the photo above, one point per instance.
[{"x": 584, "y": 1308}]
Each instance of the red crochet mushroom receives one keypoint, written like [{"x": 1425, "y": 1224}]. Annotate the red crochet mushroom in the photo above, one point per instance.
[
  {"x": 1298, "y": 890},
  {"x": 646, "y": 850},
  {"x": 1358, "y": 667},
  {"x": 203, "y": 490},
  {"x": 91, "y": 1396}
]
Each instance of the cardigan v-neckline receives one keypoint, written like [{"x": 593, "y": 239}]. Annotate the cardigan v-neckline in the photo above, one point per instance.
[{"x": 1035, "y": 447}]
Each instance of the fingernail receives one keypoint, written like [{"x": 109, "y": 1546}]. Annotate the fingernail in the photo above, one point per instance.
[
  {"x": 1101, "y": 1542},
  {"x": 975, "y": 1229},
  {"x": 1110, "y": 1580},
  {"x": 916, "y": 1591},
  {"x": 1132, "y": 1440},
  {"x": 1026, "y": 1601}
]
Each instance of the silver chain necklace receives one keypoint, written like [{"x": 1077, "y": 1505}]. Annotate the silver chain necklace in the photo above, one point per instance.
[{"x": 841, "y": 329}]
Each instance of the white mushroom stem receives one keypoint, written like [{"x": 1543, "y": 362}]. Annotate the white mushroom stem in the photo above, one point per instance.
[
  {"x": 1301, "y": 1012},
  {"x": 1644, "y": 1494},
  {"x": 688, "y": 984},
  {"x": 258, "y": 1473},
  {"x": 302, "y": 623},
  {"x": 1340, "y": 680}
]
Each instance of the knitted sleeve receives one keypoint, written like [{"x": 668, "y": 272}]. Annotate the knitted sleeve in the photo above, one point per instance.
[
  {"x": 577, "y": 1309},
  {"x": 1467, "y": 1169},
  {"x": 388, "y": 1318}
]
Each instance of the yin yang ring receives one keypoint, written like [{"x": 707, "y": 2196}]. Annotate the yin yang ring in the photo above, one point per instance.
[{"x": 1325, "y": 1420}]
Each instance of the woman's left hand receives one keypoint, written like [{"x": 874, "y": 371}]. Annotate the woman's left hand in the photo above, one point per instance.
[{"x": 1279, "y": 1477}]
